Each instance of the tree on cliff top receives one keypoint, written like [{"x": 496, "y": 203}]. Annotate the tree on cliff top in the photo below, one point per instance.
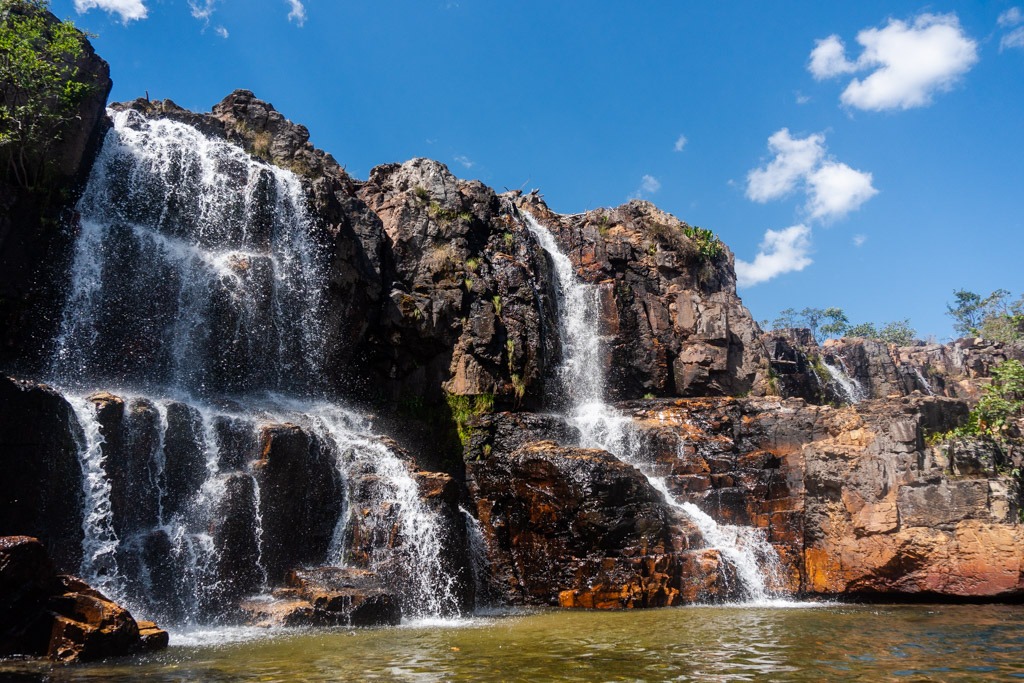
[
  {"x": 40, "y": 87},
  {"x": 993, "y": 317}
]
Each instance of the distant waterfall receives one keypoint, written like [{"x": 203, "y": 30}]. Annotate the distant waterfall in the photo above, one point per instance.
[
  {"x": 197, "y": 295},
  {"x": 849, "y": 387},
  {"x": 601, "y": 426}
]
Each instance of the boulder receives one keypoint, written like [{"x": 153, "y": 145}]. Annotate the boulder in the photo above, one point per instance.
[
  {"x": 327, "y": 596},
  {"x": 60, "y": 617}
]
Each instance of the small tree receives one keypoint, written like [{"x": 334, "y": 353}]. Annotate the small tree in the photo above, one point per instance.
[
  {"x": 863, "y": 330},
  {"x": 40, "y": 87},
  {"x": 898, "y": 332}
]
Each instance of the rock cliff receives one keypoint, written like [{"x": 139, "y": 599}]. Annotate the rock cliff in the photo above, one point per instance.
[{"x": 442, "y": 318}]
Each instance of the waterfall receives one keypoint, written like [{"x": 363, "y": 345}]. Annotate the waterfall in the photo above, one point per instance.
[
  {"x": 850, "y": 388},
  {"x": 921, "y": 381},
  {"x": 600, "y": 425},
  {"x": 197, "y": 295},
  {"x": 195, "y": 267},
  {"x": 478, "y": 563},
  {"x": 99, "y": 544}
]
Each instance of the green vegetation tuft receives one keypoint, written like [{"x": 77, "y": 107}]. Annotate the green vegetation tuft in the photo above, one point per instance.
[
  {"x": 41, "y": 87},
  {"x": 464, "y": 408},
  {"x": 1001, "y": 404}
]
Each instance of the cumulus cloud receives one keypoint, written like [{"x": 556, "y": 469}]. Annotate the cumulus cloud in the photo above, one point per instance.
[
  {"x": 297, "y": 13},
  {"x": 129, "y": 10},
  {"x": 781, "y": 251},
  {"x": 465, "y": 161},
  {"x": 828, "y": 59},
  {"x": 795, "y": 159},
  {"x": 680, "y": 143},
  {"x": 649, "y": 184},
  {"x": 909, "y": 63},
  {"x": 221, "y": 31},
  {"x": 1011, "y": 17},
  {"x": 833, "y": 189}
]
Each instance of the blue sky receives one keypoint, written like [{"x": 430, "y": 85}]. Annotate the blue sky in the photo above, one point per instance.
[{"x": 863, "y": 155}]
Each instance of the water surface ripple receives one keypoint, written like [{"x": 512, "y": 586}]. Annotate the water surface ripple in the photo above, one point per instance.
[{"x": 835, "y": 643}]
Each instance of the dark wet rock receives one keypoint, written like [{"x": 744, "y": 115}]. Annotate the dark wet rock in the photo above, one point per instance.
[
  {"x": 327, "y": 596},
  {"x": 236, "y": 539},
  {"x": 300, "y": 498},
  {"x": 578, "y": 527},
  {"x": 41, "y": 482},
  {"x": 45, "y": 614}
]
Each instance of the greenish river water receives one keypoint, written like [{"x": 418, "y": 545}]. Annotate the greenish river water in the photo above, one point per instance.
[{"x": 832, "y": 642}]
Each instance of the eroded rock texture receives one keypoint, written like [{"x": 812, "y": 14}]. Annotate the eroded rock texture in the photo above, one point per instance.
[{"x": 580, "y": 528}]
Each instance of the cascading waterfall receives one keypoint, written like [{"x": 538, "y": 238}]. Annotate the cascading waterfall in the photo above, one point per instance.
[
  {"x": 851, "y": 389},
  {"x": 99, "y": 544},
  {"x": 197, "y": 292},
  {"x": 478, "y": 555},
  {"x": 602, "y": 426}
]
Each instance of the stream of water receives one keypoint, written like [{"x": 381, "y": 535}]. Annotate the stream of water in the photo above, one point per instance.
[{"x": 600, "y": 425}]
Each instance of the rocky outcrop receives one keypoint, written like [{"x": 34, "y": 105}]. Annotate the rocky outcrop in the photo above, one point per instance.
[
  {"x": 41, "y": 485},
  {"x": 580, "y": 528},
  {"x": 45, "y": 614},
  {"x": 35, "y": 224},
  {"x": 328, "y": 596},
  {"x": 800, "y": 368},
  {"x": 889, "y": 514},
  {"x": 855, "y": 500},
  {"x": 668, "y": 301}
]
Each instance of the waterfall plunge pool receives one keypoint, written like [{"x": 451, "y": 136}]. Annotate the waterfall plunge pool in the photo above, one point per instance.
[{"x": 828, "y": 641}]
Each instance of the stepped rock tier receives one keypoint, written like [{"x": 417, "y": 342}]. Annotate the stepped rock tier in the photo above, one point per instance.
[{"x": 281, "y": 395}]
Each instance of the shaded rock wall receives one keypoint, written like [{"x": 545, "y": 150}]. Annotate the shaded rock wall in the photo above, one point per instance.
[{"x": 37, "y": 227}]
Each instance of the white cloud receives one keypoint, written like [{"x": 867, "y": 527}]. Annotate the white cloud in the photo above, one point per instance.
[
  {"x": 221, "y": 31},
  {"x": 1014, "y": 38},
  {"x": 648, "y": 186},
  {"x": 129, "y": 10},
  {"x": 297, "y": 13},
  {"x": 794, "y": 159},
  {"x": 781, "y": 251},
  {"x": 859, "y": 240},
  {"x": 909, "y": 63},
  {"x": 202, "y": 11},
  {"x": 1011, "y": 17},
  {"x": 828, "y": 59},
  {"x": 465, "y": 161},
  {"x": 680, "y": 143},
  {"x": 835, "y": 190},
  {"x": 802, "y": 98}
]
